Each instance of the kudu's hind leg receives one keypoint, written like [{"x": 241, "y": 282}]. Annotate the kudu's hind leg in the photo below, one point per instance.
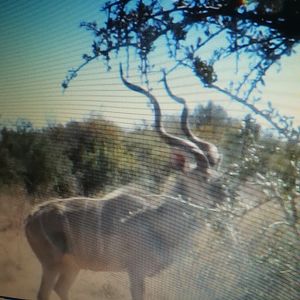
[
  {"x": 47, "y": 282},
  {"x": 65, "y": 280},
  {"x": 137, "y": 286}
]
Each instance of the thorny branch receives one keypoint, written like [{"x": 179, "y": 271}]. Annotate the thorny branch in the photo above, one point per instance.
[
  {"x": 282, "y": 124},
  {"x": 254, "y": 32}
]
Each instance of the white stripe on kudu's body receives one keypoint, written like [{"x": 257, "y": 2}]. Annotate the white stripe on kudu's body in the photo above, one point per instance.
[{"x": 122, "y": 231}]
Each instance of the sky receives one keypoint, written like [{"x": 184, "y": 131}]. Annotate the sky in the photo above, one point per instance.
[{"x": 41, "y": 40}]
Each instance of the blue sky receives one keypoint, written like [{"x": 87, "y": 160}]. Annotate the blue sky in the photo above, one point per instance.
[{"x": 41, "y": 40}]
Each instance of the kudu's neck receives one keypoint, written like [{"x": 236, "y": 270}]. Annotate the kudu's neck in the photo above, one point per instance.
[
  {"x": 184, "y": 185},
  {"x": 175, "y": 219}
]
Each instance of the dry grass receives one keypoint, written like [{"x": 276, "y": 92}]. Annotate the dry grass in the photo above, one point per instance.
[{"x": 216, "y": 267}]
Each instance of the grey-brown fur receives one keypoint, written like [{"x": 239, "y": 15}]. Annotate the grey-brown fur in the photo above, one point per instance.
[
  {"x": 113, "y": 234},
  {"x": 123, "y": 231}
]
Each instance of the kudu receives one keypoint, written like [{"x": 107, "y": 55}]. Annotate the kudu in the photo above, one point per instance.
[
  {"x": 122, "y": 231},
  {"x": 209, "y": 149}
]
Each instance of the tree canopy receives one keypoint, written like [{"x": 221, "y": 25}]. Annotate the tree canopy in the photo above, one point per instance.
[{"x": 257, "y": 32}]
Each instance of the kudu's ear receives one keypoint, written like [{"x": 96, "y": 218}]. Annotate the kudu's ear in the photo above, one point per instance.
[{"x": 178, "y": 160}]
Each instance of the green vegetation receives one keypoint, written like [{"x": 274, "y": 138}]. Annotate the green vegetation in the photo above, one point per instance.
[
  {"x": 88, "y": 156},
  {"x": 78, "y": 158},
  {"x": 82, "y": 158}
]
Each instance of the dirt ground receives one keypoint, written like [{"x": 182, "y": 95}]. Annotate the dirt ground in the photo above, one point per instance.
[{"x": 211, "y": 269}]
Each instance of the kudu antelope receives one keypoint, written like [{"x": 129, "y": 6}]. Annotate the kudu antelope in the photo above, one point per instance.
[
  {"x": 209, "y": 149},
  {"x": 120, "y": 232}
]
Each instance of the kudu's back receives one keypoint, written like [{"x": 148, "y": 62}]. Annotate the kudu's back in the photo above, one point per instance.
[
  {"x": 84, "y": 229},
  {"x": 102, "y": 234}
]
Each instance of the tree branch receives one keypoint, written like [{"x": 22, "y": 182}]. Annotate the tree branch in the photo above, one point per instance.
[{"x": 282, "y": 126}]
